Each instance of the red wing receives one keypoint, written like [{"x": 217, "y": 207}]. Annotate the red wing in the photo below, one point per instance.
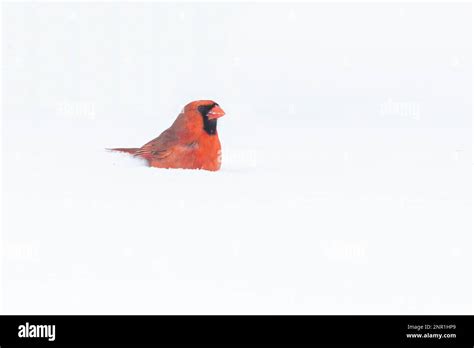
[{"x": 159, "y": 148}]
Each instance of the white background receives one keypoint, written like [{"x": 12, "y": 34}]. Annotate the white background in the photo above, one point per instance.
[{"x": 346, "y": 178}]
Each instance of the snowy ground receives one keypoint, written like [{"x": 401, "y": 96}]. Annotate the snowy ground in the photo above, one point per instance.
[{"x": 351, "y": 195}]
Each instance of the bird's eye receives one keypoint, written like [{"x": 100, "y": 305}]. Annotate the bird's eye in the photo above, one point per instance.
[{"x": 204, "y": 109}]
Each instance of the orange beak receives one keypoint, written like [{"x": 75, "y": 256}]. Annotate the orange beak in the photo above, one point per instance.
[{"x": 215, "y": 113}]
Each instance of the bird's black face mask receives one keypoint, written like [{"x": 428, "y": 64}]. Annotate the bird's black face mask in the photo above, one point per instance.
[{"x": 210, "y": 126}]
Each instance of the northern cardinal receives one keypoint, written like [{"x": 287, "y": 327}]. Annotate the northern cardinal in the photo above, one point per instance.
[{"x": 191, "y": 142}]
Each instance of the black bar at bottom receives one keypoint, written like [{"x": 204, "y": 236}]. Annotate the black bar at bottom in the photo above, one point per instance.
[{"x": 275, "y": 330}]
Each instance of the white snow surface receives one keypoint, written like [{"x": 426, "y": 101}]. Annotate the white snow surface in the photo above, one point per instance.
[{"x": 345, "y": 186}]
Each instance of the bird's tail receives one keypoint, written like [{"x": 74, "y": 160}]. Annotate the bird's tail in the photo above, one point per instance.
[{"x": 131, "y": 151}]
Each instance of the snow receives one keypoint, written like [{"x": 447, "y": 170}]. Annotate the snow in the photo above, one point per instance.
[{"x": 341, "y": 191}]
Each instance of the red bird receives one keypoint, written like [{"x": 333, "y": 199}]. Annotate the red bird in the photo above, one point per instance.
[{"x": 191, "y": 142}]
